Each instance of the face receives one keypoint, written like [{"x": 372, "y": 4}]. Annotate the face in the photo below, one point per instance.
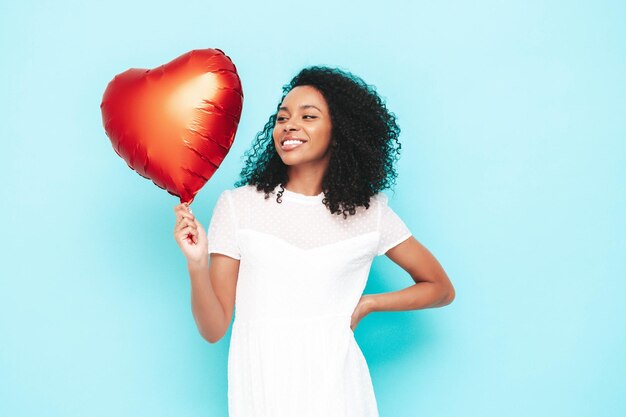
[{"x": 304, "y": 117}]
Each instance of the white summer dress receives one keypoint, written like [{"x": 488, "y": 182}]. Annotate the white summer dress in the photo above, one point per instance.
[{"x": 302, "y": 272}]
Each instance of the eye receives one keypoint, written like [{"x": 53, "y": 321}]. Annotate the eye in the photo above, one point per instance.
[{"x": 281, "y": 118}]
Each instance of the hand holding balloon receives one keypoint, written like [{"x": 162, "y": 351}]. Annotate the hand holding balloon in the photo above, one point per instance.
[{"x": 190, "y": 234}]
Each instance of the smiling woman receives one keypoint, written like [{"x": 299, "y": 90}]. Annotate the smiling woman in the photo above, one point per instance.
[{"x": 295, "y": 266}]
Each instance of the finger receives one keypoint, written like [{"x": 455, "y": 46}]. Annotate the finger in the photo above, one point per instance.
[
  {"x": 180, "y": 211},
  {"x": 180, "y": 207},
  {"x": 183, "y": 215},
  {"x": 188, "y": 222},
  {"x": 188, "y": 231},
  {"x": 182, "y": 219},
  {"x": 187, "y": 215},
  {"x": 181, "y": 227},
  {"x": 185, "y": 212},
  {"x": 189, "y": 228}
]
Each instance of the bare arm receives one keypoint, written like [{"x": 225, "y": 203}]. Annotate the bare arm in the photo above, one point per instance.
[
  {"x": 213, "y": 278},
  {"x": 432, "y": 286},
  {"x": 213, "y": 286}
]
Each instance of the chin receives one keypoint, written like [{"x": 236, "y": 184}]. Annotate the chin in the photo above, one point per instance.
[{"x": 292, "y": 161}]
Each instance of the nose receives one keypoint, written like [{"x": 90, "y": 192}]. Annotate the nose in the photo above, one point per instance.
[{"x": 290, "y": 126}]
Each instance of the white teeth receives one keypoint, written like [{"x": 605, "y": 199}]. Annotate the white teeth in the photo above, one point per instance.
[{"x": 292, "y": 142}]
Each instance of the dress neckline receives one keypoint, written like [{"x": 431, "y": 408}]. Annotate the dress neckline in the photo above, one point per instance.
[{"x": 294, "y": 196}]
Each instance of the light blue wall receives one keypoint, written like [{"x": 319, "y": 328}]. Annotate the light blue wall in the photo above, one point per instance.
[{"x": 513, "y": 118}]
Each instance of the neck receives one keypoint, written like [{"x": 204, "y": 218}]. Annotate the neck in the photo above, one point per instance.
[{"x": 304, "y": 181}]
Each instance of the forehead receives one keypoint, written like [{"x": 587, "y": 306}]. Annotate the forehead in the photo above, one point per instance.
[{"x": 304, "y": 94}]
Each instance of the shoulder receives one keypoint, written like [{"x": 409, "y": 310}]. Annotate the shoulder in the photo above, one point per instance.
[
  {"x": 238, "y": 191},
  {"x": 383, "y": 198},
  {"x": 243, "y": 196},
  {"x": 380, "y": 199},
  {"x": 376, "y": 202}
]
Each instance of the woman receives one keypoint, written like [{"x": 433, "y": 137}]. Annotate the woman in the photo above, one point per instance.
[{"x": 296, "y": 264}]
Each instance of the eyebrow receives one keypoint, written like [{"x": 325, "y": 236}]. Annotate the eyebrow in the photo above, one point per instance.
[{"x": 304, "y": 106}]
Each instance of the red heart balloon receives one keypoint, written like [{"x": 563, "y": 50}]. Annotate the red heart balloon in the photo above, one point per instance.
[{"x": 174, "y": 124}]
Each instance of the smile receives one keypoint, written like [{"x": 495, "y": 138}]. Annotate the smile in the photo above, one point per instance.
[{"x": 290, "y": 144}]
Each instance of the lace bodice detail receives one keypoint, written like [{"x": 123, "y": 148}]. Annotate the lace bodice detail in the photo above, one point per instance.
[{"x": 300, "y": 220}]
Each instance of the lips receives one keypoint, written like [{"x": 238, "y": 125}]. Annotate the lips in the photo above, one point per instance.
[
  {"x": 287, "y": 146},
  {"x": 290, "y": 138}
]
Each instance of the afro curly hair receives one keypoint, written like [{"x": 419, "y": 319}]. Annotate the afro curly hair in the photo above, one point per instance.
[{"x": 364, "y": 141}]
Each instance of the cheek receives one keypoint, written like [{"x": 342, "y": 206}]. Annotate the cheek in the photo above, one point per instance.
[
  {"x": 321, "y": 134},
  {"x": 324, "y": 135}
]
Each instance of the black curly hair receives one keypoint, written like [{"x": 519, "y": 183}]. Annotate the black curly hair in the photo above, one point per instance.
[{"x": 364, "y": 141}]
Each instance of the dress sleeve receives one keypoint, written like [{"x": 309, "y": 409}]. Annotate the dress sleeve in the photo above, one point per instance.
[
  {"x": 391, "y": 228},
  {"x": 222, "y": 231}
]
